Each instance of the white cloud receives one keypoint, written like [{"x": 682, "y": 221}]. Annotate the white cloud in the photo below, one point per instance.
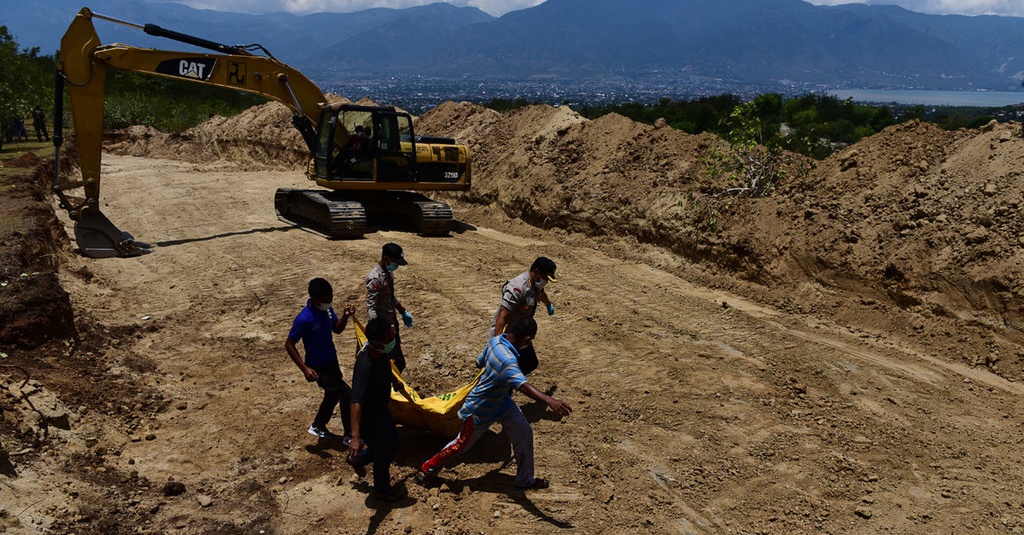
[
  {"x": 1012, "y": 8},
  {"x": 302, "y": 7}
]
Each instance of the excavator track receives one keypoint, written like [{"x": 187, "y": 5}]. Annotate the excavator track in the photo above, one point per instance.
[
  {"x": 431, "y": 218},
  {"x": 321, "y": 212},
  {"x": 409, "y": 210},
  {"x": 343, "y": 215}
]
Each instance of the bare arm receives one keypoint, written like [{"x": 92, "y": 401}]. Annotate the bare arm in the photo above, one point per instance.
[
  {"x": 501, "y": 320},
  {"x": 560, "y": 407},
  {"x": 357, "y": 441},
  {"x": 293, "y": 352},
  {"x": 372, "y": 294},
  {"x": 400, "y": 388}
]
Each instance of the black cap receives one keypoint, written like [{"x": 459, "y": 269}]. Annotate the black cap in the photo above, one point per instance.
[
  {"x": 394, "y": 252},
  {"x": 545, "y": 266}
]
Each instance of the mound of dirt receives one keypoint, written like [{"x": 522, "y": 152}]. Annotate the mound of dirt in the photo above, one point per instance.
[
  {"x": 818, "y": 360},
  {"x": 260, "y": 138},
  {"x": 29, "y": 159},
  {"x": 918, "y": 225}
]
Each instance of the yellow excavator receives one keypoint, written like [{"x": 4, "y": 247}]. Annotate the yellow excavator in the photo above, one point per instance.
[{"x": 367, "y": 157}]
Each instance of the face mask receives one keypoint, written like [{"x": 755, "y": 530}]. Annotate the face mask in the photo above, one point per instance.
[
  {"x": 392, "y": 266},
  {"x": 389, "y": 347},
  {"x": 324, "y": 306},
  {"x": 540, "y": 284}
]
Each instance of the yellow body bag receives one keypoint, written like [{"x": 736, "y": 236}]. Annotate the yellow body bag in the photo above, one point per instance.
[{"x": 439, "y": 414}]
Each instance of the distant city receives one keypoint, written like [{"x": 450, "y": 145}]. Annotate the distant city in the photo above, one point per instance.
[{"x": 418, "y": 94}]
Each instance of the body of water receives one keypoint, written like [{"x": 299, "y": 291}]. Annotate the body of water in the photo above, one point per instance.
[{"x": 988, "y": 99}]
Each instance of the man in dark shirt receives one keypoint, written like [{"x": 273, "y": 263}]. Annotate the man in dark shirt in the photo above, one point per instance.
[
  {"x": 39, "y": 122},
  {"x": 372, "y": 423}
]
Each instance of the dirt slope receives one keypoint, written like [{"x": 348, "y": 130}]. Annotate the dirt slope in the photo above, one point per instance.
[
  {"x": 919, "y": 227},
  {"x": 842, "y": 357}
]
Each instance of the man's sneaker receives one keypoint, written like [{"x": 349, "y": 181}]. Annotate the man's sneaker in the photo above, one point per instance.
[
  {"x": 426, "y": 479},
  {"x": 538, "y": 483},
  {"x": 321, "y": 432}
]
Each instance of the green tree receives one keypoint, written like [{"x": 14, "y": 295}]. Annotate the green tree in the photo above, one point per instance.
[
  {"x": 755, "y": 160},
  {"x": 26, "y": 79},
  {"x": 167, "y": 104}
]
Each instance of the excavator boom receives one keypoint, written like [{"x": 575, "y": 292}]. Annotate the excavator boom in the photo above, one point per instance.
[{"x": 82, "y": 65}]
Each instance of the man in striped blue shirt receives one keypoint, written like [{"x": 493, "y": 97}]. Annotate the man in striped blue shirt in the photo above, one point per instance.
[{"x": 491, "y": 401}]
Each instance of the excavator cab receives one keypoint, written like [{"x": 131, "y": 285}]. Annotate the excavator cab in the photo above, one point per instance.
[{"x": 364, "y": 144}]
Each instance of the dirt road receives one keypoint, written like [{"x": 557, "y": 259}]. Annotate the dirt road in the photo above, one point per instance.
[{"x": 695, "y": 411}]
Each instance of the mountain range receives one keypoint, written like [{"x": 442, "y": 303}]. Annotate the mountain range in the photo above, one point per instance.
[{"x": 766, "y": 42}]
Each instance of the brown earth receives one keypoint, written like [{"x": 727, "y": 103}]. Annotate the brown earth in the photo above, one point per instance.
[{"x": 843, "y": 356}]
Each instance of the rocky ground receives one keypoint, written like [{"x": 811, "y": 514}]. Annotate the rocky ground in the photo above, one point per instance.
[{"x": 842, "y": 356}]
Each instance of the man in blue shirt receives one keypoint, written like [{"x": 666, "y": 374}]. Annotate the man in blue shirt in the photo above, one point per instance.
[
  {"x": 491, "y": 401},
  {"x": 313, "y": 326}
]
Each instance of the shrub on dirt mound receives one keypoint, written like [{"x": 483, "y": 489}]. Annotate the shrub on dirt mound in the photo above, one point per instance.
[{"x": 926, "y": 218}]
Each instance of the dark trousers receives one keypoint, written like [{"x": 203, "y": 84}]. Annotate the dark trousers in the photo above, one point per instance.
[
  {"x": 528, "y": 359},
  {"x": 382, "y": 440},
  {"x": 336, "y": 393}
]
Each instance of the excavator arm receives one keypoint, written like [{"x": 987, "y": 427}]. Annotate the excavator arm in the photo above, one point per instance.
[{"x": 82, "y": 65}]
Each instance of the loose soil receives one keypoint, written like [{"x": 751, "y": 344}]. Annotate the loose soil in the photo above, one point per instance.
[{"x": 842, "y": 356}]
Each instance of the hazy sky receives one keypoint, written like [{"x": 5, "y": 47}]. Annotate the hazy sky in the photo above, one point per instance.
[{"x": 500, "y": 7}]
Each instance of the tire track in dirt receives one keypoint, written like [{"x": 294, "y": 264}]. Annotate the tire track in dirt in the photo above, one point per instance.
[{"x": 695, "y": 409}]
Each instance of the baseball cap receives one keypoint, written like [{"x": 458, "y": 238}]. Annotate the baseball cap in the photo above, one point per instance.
[
  {"x": 545, "y": 266},
  {"x": 394, "y": 252}
]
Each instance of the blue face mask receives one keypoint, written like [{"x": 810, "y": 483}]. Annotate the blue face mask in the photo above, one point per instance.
[
  {"x": 392, "y": 266},
  {"x": 390, "y": 347}
]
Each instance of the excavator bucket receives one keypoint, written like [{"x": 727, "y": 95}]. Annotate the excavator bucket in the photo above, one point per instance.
[{"x": 97, "y": 237}]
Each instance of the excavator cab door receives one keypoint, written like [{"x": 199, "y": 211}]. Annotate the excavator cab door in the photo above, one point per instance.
[
  {"x": 323, "y": 157},
  {"x": 362, "y": 144},
  {"x": 395, "y": 148}
]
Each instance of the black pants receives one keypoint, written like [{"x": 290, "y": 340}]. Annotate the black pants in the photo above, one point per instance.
[
  {"x": 336, "y": 393},
  {"x": 382, "y": 440}
]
